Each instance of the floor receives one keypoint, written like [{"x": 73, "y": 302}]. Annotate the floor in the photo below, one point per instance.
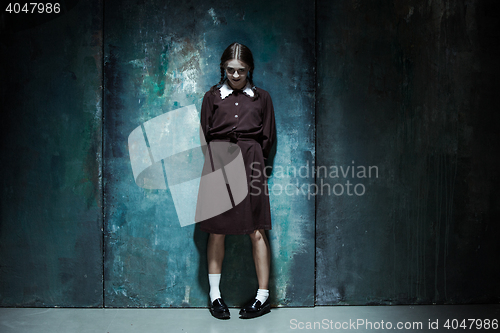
[{"x": 422, "y": 318}]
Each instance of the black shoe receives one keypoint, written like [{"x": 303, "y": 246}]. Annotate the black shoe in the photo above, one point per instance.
[
  {"x": 255, "y": 309},
  {"x": 219, "y": 309}
]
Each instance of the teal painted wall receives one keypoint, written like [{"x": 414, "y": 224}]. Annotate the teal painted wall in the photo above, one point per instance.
[{"x": 162, "y": 55}]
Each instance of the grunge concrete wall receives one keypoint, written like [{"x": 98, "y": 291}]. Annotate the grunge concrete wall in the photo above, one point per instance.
[
  {"x": 162, "y": 55},
  {"x": 409, "y": 87},
  {"x": 51, "y": 199}
]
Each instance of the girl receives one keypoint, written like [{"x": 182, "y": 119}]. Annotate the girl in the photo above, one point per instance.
[{"x": 236, "y": 111}]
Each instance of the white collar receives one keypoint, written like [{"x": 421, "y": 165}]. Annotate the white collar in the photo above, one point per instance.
[{"x": 226, "y": 90}]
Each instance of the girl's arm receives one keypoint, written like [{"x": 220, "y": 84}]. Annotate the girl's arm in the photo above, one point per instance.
[
  {"x": 268, "y": 126},
  {"x": 206, "y": 114}
]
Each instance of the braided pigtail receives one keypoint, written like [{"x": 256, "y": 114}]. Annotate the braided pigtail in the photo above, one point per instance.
[
  {"x": 254, "y": 89},
  {"x": 221, "y": 82}
]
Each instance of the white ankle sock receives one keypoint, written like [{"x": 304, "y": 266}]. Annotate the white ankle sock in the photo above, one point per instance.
[
  {"x": 262, "y": 295},
  {"x": 214, "y": 280}
]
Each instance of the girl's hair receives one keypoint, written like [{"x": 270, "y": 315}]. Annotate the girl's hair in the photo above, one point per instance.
[{"x": 239, "y": 52}]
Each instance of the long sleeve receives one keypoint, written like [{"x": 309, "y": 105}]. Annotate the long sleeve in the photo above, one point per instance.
[
  {"x": 206, "y": 114},
  {"x": 268, "y": 126}
]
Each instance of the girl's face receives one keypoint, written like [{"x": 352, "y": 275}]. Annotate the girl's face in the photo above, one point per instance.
[{"x": 237, "y": 72}]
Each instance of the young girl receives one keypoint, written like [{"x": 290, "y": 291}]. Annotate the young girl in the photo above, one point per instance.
[{"x": 236, "y": 111}]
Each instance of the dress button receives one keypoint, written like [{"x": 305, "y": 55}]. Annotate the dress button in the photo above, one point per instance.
[
  {"x": 235, "y": 116},
  {"x": 234, "y": 127},
  {"x": 236, "y": 103}
]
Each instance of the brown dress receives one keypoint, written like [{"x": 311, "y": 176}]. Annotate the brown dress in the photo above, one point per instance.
[{"x": 234, "y": 115}]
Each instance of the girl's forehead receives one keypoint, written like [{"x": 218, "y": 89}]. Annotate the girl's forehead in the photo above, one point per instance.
[{"x": 234, "y": 63}]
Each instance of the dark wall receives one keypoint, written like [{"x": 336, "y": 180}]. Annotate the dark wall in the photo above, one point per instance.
[
  {"x": 403, "y": 87},
  {"x": 409, "y": 87},
  {"x": 50, "y": 222}
]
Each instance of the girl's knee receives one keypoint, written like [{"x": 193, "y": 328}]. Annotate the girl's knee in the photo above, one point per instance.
[
  {"x": 257, "y": 235},
  {"x": 217, "y": 237}
]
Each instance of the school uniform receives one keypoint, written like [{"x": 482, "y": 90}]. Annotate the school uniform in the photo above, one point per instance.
[{"x": 229, "y": 115}]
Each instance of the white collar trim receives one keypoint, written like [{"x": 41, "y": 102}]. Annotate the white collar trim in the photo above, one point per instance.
[{"x": 226, "y": 90}]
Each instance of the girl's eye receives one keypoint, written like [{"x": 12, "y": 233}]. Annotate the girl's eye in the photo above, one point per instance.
[{"x": 232, "y": 70}]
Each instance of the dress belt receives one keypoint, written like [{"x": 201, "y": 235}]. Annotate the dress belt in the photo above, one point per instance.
[{"x": 232, "y": 137}]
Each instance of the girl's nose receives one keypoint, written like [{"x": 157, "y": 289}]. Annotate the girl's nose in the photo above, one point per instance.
[{"x": 236, "y": 74}]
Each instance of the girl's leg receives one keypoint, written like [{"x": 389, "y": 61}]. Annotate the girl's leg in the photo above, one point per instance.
[
  {"x": 261, "y": 257},
  {"x": 215, "y": 253},
  {"x": 215, "y": 256}
]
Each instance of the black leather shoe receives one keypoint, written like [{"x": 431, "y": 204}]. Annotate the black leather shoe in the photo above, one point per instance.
[
  {"x": 219, "y": 309},
  {"x": 255, "y": 309}
]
